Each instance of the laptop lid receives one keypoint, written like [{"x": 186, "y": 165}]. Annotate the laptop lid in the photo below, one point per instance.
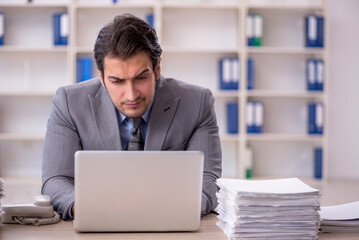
[{"x": 125, "y": 191}]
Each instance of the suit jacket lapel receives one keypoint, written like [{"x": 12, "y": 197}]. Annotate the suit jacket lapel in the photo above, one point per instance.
[
  {"x": 162, "y": 113},
  {"x": 104, "y": 115}
]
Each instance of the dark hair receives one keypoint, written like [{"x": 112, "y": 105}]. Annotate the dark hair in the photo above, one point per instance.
[{"x": 124, "y": 37}]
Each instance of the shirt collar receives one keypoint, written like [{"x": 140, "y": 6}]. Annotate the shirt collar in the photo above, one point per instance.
[{"x": 145, "y": 116}]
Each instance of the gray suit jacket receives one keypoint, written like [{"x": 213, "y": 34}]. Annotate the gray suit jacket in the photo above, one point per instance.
[{"x": 84, "y": 118}]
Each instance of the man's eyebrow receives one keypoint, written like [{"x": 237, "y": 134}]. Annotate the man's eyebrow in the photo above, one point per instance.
[
  {"x": 143, "y": 72},
  {"x": 138, "y": 75}
]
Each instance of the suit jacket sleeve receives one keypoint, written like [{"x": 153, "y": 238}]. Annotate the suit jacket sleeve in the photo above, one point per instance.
[
  {"x": 206, "y": 139},
  {"x": 61, "y": 142}
]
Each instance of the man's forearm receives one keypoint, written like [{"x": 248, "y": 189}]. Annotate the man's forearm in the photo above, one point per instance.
[
  {"x": 61, "y": 192},
  {"x": 209, "y": 199}
]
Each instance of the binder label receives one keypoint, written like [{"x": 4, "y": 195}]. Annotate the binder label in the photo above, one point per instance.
[
  {"x": 319, "y": 115},
  {"x": 250, "y": 114},
  {"x": 320, "y": 71},
  {"x": 312, "y": 28},
  {"x": 64, "y": 28},
  {"x": 226, "y": 70},
  {"x": 311, "y": 72},
  {"x": 2, "y": 24},
  {"x": 235, "y": 70},
  {"x": 249, "y": 26},
  {"x": 258, "y": 121},
  {"x": 258, "y": 26}
]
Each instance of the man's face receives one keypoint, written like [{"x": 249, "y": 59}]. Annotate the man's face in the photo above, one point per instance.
[{"x": 131, "y": 83}]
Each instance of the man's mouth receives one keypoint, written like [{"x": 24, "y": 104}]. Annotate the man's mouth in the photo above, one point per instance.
[{"x": 133, "y": 104}]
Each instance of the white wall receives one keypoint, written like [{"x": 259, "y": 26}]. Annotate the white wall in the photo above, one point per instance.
[{"x": 343, "y": 136}]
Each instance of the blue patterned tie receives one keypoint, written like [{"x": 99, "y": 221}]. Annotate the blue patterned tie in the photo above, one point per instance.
[{"x": 136, "y": 141}]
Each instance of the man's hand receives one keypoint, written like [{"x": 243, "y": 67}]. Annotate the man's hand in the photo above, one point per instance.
[{"x": 73, "y": 210}]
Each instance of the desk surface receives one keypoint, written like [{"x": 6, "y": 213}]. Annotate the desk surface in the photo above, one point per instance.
[
  {"x": 64, "y": 230},
  {"x": 333, "y": 192}
]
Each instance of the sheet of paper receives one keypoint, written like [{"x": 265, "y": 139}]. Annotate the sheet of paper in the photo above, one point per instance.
[
  {"x": 346, "y": 211},
  {"x": 275, "y": 186}
]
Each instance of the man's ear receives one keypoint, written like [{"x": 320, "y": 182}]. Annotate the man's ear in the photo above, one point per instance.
[
  {"x": 101, "y": 78},
  {"x": 158, "y": 69}
]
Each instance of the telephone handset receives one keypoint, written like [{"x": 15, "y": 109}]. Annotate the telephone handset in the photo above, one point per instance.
[{"x": 38, "y": 213}]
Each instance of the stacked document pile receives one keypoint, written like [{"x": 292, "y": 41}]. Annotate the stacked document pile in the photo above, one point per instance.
[
  {"x": 1, "y": 195},
  {"x": 340, "y": 218},
  {"x": 268, "y": 209}
]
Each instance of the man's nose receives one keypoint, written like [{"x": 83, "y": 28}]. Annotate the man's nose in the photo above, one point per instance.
[{"x": 130, "y": 91}]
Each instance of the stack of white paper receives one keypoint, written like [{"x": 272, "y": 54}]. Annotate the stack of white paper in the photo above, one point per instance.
[
  {"x": 268, "y": 209},
  {"x": 340, "y": 218},
  {"x": 1, "y": 195}
]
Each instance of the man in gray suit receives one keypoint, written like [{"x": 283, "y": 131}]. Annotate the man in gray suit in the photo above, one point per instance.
[{"x": 95, "y": 115}]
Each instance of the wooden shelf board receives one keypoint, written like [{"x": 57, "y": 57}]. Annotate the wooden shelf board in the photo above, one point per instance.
[
  {"x": 229, "y": 137},
  {"x": 115, "y": 5},
  {"x": 284, "y": 94},
  {"x": 209, "y": 50},
  {"x": 201, "y": 5},
  {"x": 20, "y": 49},
  {"x": 22, "y": 136},
  {"x": 34, "y": 5},
  {"x": 290, "y": 7},
  {"x": 27, "y": 94},
  {"x": 84, "y": 49},
  {"x": 285, "y": 50},
  {"x": 283, "y": 137},
  {"x": 226, "y": 93}
]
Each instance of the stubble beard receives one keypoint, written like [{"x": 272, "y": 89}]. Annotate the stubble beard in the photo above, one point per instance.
[{"x": 133, "y": 112}]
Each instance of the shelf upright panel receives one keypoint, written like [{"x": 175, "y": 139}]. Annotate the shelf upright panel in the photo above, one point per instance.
[
  {"x": 243, "y": 55},
  {"x": 326, "y": 90}
]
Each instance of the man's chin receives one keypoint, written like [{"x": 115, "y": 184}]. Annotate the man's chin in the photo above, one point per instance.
[{"x": 133, "y": 113}]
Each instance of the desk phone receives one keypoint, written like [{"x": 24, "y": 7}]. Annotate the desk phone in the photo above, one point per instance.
[{"x": 38, "y": 213}]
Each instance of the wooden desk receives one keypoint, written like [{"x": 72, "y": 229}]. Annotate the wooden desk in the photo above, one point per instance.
[
  {"x": 333, "y": 192},
  {"x": 64, "y": 231}
]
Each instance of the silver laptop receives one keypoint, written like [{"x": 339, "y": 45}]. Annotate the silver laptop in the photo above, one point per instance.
[{"x": 123, "y": 191}]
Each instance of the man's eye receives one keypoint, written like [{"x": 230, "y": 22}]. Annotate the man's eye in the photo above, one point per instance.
[
  {"x": 117, "y": 81},
  {"x": 143, "y": 77}
]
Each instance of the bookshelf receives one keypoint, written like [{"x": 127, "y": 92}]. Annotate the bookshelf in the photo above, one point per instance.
[{"x": 194, "y": 35}]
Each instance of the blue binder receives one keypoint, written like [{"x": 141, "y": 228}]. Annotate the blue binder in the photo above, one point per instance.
[
  {"x": 318, "y": 162},
  {"x": 311, "y": 31},
  {"x": 314, "y": 31},
  {"x": 235, "y": 74},
  {"x": 254, "y": 117},
  {"x": 250, "y": 117},
  {"x": 60, "y": 28},
  {"x": 258, "y": 117},
  {"x": 232, "y": 117},
  {"x": 78, "y": 70},
  {"x": 250, "y": 30},
  {"x": 257, "y": 21},
  {"x": 83, "y": 69},
  {"x": 2, "y": 28},
  {"x": 311, "y": 118},
  {"x": 311, "y": 74},
  {"x": 320, "y": 31},
  {"x": 149, "y": 19},
  {"x": 319, "y": 118},
  {"x": 319, "y": 75},
  {"x": 228, "y": 75},
  {"x": 250, "y": 79},
  {"x": 224, "y": 73}
]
